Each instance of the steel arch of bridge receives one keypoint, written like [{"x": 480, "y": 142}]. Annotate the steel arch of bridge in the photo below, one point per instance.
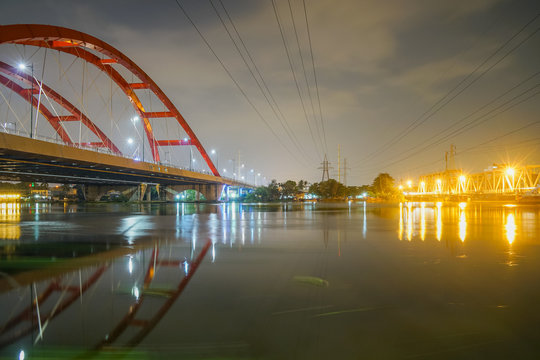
[
  {"x": 55, "y": 121},
  {"x": 75, "y": 43}
]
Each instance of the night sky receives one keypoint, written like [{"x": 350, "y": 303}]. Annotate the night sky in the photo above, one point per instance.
[{"x": 398, "y": 81}]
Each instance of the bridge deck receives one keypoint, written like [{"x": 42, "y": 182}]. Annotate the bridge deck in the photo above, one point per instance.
[{"x": 25, "y": 159}]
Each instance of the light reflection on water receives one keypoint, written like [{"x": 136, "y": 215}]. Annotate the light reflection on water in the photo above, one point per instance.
[
  {"x": 449, "y": 270},
  {"x": 439, "y": 213}
]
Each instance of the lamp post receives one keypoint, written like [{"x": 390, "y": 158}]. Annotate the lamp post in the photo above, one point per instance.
[
  {"x": 191, "y": 160},
  {"x": 214, "y": 152},
  {"x": 234, "y": 168},
  {"x": 23, "y": 66},
  {"x": 135, "y": 119}
]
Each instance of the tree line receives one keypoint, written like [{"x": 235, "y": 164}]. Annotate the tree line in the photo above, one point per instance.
[{"x": 383, "y": 187}]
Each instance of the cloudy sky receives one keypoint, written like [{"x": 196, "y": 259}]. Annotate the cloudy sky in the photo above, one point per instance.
[{"x": 398, "y": 82}]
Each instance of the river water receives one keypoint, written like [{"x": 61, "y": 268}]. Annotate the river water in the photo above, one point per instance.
[{"x": 270, "y": 281}]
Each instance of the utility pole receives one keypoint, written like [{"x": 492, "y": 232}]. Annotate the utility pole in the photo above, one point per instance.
[
  {"x": 190, "y": 158},
  {"x": 345, "y": 171},
  {"x": 449, "y": 158},
  {"x": 339, "y": 163}
]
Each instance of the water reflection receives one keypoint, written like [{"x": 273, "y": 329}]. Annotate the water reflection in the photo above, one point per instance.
[
  {"x": 462, "y": 222},
  {"x": 10, "y": 216},
  {"x": 400, "y": 228},
  {"x": 255, "y": 252},
  {"x": 439, "y": 220},
  {"x": 423, "y": 221},
  {"x": 131, "y": 319},
  {"x": 409, "y": 215},
  {"x": 510, "y": 228}
]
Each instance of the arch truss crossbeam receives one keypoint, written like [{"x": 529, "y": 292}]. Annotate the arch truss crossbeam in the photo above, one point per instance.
[{"x": 83, "y": 46}]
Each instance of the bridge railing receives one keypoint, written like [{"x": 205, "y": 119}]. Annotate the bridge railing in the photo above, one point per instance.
[{"x": 101, "y": 150}]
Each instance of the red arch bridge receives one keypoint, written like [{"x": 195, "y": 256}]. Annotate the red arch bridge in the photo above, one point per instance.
[{"x": 74, "y": 109}]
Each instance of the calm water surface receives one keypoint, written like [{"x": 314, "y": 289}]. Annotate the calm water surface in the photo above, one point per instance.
[{"x": 274, "y": 281}]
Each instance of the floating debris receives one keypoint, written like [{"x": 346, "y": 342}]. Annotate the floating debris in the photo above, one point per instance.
[{"x": 311, "y": 280}]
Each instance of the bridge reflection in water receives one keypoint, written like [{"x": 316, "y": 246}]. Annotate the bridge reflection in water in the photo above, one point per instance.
[{"x": 145, "y": 280}]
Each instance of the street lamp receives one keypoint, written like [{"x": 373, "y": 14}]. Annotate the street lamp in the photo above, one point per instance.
[
  {"x": 135, "y": 119},
  {"x": 23, "y": 67},
  {"x": 213, "y": 152}
]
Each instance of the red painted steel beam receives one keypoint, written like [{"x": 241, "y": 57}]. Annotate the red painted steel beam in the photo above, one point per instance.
[
  {"x": 158, "y": 114},
  {"x": 174, "y": 142},
  {"x": 31, "y": 33},
  {"x": 67, "y": 118},
  {"x": 139, "y": 86},
  {"x": 93, "y": 144},
  {"x": 119, "y": 80},
  {"x": 10, "y": 84},
  {"x": 53, "y": 120}
]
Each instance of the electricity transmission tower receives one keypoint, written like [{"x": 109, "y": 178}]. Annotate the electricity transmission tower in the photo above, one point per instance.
[{"x": 325, "y": 166}]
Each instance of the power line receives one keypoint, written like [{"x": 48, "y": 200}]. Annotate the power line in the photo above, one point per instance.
[
  {"x": 496, "y": 114},
  {"x": 315, "y": 77},
  {"x": 420, "y": 120},
  {"x": 262, "y": 83},
  {"x": 469, "y": 124},
  {"x": 234, "y": 80},
  {"x": 294, "y": 76},
  {"x": 478, "y": 145},
  {"x": 304, "y": 72}
]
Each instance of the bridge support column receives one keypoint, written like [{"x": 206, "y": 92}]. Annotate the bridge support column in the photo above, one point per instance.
[
  {"x": 211, "y": 192},
  {"x": 96, "y": 192}
]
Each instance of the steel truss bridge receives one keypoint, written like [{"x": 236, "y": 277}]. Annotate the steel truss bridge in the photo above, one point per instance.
[
  {"x": 498, "y": 180},
  {"x": 99, "y": 158}
]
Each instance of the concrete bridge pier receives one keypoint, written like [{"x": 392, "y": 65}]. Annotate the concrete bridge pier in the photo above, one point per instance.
[
  {"x": 211, "y": 192},
  {"x": 95, "y": 192}
]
